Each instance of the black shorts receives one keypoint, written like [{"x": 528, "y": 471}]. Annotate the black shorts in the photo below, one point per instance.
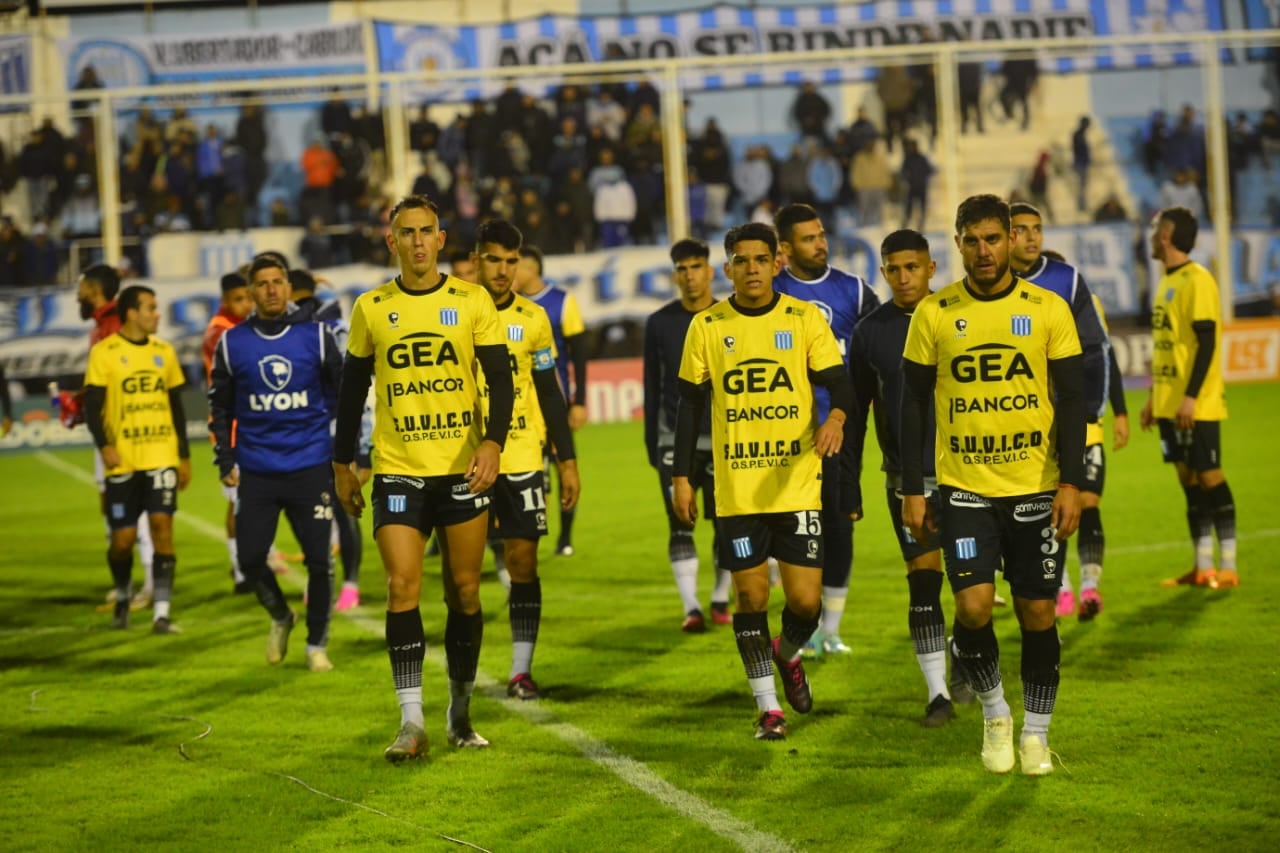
[
  {"x": 425, "y": 502},
  {"x": 746, "y": 541},
  {"x": 703, "y": 478},
  {"x": 127, "y": 496},
  {"x": 910, "y": 547},
  {"x": 1095, "y": 469},
  {"x": 519, "y": 506},
  {"x": 981, "y": 535},
  {"x": 1200, "y": 449}
]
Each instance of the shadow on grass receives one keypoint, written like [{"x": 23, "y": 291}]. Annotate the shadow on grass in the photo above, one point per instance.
[{"x": 1161, "y": 627}]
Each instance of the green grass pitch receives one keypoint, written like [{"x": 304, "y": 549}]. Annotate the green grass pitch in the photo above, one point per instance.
[{"x": 1166, "y": 723}]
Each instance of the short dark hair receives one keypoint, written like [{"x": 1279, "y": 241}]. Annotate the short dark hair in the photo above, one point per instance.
[
  {"x": 903, "y": 240},
  {"x": 130, "y": 298},
  {"x": 414, "y": 202},
  {"x": 268, "y": 260},
  {"x": 459, "y": 256},
  {"x": 1022, "y": 208},
  {"x": 1185, "y": 227},
  {"x": 107, "y": 278},
  {"x": 302, "y": 280},
  {"x": 233, "y": 281},
  {"x": 751, "y": 231},
  {"x": 528, "y": 250},
  {"x": 500, "y": 232},
  {"x": 689, "y": 248},
  {"x": 978, "y": 208},
  {"x": 791, "y": 215}
]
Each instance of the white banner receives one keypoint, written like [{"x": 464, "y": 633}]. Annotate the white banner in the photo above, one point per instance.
[{"x": 147, "y": 60}]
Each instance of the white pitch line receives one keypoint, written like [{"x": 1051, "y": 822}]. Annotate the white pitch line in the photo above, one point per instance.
[{"x": 634, "y": 773}]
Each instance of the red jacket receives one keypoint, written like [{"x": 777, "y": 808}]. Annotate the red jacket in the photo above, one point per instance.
[
  {"x": 218, "y": 325},
  {"x": 106, "y": 322}
]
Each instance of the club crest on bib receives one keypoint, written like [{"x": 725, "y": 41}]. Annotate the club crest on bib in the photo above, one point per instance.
[{"x": 276, "y": 371}]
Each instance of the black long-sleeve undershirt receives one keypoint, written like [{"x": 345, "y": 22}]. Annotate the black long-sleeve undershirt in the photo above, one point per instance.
[
  {"x": 693, "y": 400},
  {"x": 555, "y": 413},
  {"x": 1205, "y": 333},
  {"x": 917, "y": 397},
  {"x": 495, "y": 360},
  {"x": 95, "y": 398},
  {"x": 357, "y": 373},
  {"x": 1115, "y": 388},
  {"x": 577, "y": 346},
  {"x": 1069, "y": 416}
]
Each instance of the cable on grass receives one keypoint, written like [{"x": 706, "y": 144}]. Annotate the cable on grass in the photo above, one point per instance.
[
  {"x": 182, "y": 747},
  {"x": 208, "y": 730},
  {"x": 380, "y": 813}
]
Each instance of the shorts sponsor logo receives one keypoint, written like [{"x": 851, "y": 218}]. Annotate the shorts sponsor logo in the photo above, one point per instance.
[
  {"x": 782, "y": 340},
  {"x": 416, "y": 482},
  {"x": 811, "y": 549},
  {"x": 1050, "y": 568},
  {"x": 541, "y": 520},
  {"x": 742, "y": 547},
  {"x": 397, "y": 503},
  {"x": 448, "y": 316},
  {"x": 1033, "y": 510},
  {"x": 967, "y": 548},
  {"x": 117, "y": 511},
  {"x": 906, "y": 535},
  {"x": 968, "y": 499},
  {"x": 1021, "y": 326},
  {"x": 668, "y": 458}
]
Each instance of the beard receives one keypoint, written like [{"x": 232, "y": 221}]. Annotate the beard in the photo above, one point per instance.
[
  {"x": 86, "y": 309},
  {"x": 997, "y": 274}
]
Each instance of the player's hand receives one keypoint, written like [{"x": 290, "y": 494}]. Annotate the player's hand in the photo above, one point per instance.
[
  {"x": 917, "y": 517},
  {"x": 577, "y": 417},
  {"x": 1120, "y": 432},
  {"x": 233, "y": 477},
  {"x": 347, "y": 488},
  {"x": 1185, "y": 418},
  {"x": 110, "y": 457},
  {"x": 683, "y": 501},
  {"x": 1145, "y": 420},
  {"x": 829, "y": 437},
  {"x": 482, "y": 470},
  {"x": 6, "y": 424},
  {"x": 856, "y": 515},
  {"x": 1066, "y": 512},
  {"x": 184, "y": 474},
  {"x": 364, "y": 475},
  {"x": 570, "y": 485}
]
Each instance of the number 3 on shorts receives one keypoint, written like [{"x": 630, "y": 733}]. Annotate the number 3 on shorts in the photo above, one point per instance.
[
  {"x": 1051, "y": 544},
  {"x": 808, "y": 523}
]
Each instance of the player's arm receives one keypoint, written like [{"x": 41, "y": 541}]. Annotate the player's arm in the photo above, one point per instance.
[
  {"x": 222, "y": 396},
  {"x": 6, "y": 405},
  {"x": 330, "y": 368},
  {"x": 652, "y": 388},
  {"x": 1094, "y": 345},
  {"x": 496, "y": 363},
  {"x": 868, "y": 303},
  {"x": 353, "y": 389},
  {"x": 864, "y": 396},
  {"x": 556, "y": 416},
  {"x": 1069, "y": 417},
  {"x": 179, "y": 414},
  {"x": 575, "y": 341},
  {"x": 95, "y": 398},
  {"x": 917, "y": 399},
  {"x": 1205, "y": 331},
  {"x": 693, "y": 402},
  {"x": 1119, "y": 408}
]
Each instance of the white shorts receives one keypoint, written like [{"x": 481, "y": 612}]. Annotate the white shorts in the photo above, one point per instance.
[
  {"x": 229, "y": 492},
  {"x": 99, "y": 471}
]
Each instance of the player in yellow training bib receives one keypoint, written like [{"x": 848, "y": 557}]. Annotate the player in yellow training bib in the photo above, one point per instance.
[
  {"x": 1188, "y": 398},
  {"x": 999, "y": 361},
  {"x": 758, "y": 356},
  {"x": 519, "y": 516},
  {"x": 420, "y": 337},
  {"x": 133, "y": 408}
]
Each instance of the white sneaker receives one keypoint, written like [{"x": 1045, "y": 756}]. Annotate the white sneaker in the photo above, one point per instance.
[
  {"x": 278, "y": 639},
  {"x": 1037, "y": 760},
  {"x": 318, "y": 661},
  {"x": 997, "y": 744},
  {"x": 833, "y": 645}
]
